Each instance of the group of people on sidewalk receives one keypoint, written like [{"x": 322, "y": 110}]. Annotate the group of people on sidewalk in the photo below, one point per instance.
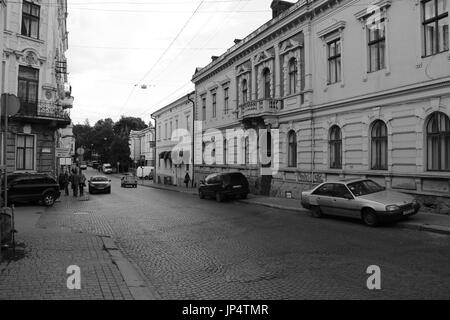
[{"x": 75, "y": 178}]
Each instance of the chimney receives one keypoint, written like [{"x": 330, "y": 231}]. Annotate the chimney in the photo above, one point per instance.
[
  {"x": 278, "y": 7},
  {"x": 236, "y": 41},
  {"x": 214, "y": 58}
]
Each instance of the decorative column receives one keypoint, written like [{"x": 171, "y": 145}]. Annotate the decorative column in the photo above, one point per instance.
[
  {"x": 277, "y": 71},
  {"x": 308, "y": 65},
  {"x": 253, "y": 83}
]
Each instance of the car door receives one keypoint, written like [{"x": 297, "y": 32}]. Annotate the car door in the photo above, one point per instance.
[
  {"x": 343, "y": 201},
  {"x": 21, "y": 189},
  {"x": 323, "y": 198}
]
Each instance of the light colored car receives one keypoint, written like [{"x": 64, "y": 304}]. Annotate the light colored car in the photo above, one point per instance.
[
  {"x": 362, "y": 198},
  {"x": 106, "y": 168}
]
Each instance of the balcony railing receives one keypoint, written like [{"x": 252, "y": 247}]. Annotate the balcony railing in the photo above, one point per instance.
[
  {"x": 262, "y": 107},
  {"x": 42, "y": 109}
]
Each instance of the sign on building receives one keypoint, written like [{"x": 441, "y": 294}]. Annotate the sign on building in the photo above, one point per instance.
[{"x": 63, "y": 152}]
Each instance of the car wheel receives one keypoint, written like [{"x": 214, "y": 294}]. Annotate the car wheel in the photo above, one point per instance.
[
  {"x": 109, "y": 190},
  {"x": 201, "y": 194},
  {"x": 49, "y": 199},
  {"x": 316, "y": 212},
  {"x": 219, "y": 197},
  {"x": 370, "y": 218}
]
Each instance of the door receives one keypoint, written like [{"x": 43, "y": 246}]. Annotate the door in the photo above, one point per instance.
[
  {"x": 344, "y": 202},
  {"x": 323, "y": 198}
]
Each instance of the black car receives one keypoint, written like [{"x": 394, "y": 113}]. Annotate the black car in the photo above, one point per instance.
[
  {"x": 99, "y": 184},
  {"x": 33, "y": 188},
  {"x": 224, "y": 185}
]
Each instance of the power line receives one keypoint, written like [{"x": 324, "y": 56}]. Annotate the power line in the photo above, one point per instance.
[{"x": 165, "y": 52}]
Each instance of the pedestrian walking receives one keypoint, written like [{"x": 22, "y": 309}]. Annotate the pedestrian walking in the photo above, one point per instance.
[
  {"x": 75, "y": 182},
  {"x": 187, "y": 179},
  {"x": 61, "y": 179},
  {"x": 82, "y": 183},
  {"x": 66, "y": 181}
]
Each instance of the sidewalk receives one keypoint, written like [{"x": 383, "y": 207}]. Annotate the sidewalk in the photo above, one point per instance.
[
  {"x": 424, "y": 221},
  {"x": 44, "y": 253}
]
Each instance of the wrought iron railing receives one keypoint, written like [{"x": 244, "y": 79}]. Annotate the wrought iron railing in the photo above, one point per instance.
[{"x": 41, "y": 108}]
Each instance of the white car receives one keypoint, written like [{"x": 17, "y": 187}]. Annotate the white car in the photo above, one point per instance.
[
  {"x": 359, "y": 198},
  {"x": 106, "y": 168}
]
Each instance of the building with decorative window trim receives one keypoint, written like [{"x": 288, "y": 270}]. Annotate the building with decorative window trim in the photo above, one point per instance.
[
  {"x": 34, "y": 68},
  {"x": 372, "y": 79}
]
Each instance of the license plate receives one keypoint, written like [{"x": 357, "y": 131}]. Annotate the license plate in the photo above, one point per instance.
[
  {"x": 408, "y": 212},
  {"x": 237, "y": 187}
]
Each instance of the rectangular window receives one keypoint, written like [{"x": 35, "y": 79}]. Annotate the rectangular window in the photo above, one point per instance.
[
  {"x": 25, "y": 152},
  {"x": 28, "y": 89},
  {"x": 377, "y": 45},
  {"x": 159, "y": 132},
  {"x": 334, "y": 61},
  {"x": 204, "y": 108},
  {"x": 165, "y": 131},
  {"x": 214, "y": 105},
  {"x": 188, "y": 121},
  {"x": 170, "y": 131},
  {"x": 226, "y": 93},
  {"x": 30, "y": 19},
  {"x": 435, "y": 26}
]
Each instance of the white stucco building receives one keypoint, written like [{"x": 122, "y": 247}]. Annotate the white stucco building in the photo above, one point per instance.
[
  {"x": 354, "y": 90},
  {"x": 34, "y": 39},
  {"x": 142, "y": 146},
  {"x": 174, "y": 124}
]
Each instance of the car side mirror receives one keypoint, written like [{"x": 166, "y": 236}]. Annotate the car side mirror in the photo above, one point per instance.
[{"x": 202, "y": 181}]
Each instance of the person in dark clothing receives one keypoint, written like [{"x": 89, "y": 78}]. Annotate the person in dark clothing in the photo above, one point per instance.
[
  {"x": 82, "y": 183},
  {"x": 187, "y": 179},
  {"x": 66, "y": 182},
  {"x": 61, "y": 179},
  {"x": 75, "y": 182}
]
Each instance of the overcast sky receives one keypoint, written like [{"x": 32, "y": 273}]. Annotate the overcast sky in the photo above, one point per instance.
[{"x": 115, "y": 45}]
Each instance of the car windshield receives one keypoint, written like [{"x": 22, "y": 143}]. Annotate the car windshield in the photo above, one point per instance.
[
  {"x": 363, "y": 188},
  {"x": 99, "y": 179}
]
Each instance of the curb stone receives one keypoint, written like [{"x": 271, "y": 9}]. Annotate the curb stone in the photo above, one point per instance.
[{"x": 135, "y": 282}]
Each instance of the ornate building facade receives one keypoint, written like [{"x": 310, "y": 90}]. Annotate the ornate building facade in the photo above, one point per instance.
[
  {"x": 34, "y": 68},
  {"x": 354, "y": 90}
]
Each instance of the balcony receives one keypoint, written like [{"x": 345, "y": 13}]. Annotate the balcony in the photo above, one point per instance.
[
  {"x": 42, "y": 111},
  {"x": 259, "y": 108}
]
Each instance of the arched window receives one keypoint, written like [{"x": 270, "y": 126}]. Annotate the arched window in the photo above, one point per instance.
[
  {"x": 335, "y": 148},
  {"x": 292, "y": 149},
  {"x": 267, "y": 84},
  {"x": 293, "y": 74},
  {"x": 244, "y": 91},
  {"x": 438, "y": 142},
  {"x": 379, "y": 146}
]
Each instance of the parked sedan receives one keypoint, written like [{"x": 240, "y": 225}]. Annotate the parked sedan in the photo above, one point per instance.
[
  {"x": 99, "y": 184},
  {"x": 363, "y": 199},
  {"x": 224, "y": 185}
]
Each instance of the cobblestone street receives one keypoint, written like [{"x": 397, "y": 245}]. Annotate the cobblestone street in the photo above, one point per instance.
[
  {"x": 44, "y": 253},
  {"x": 189, "y": 248}
]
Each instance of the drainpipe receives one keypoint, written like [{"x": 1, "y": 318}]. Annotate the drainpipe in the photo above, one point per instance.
[
  {"x": 193, "y": 137},
  {"x": 312, "y": 149},
  {"x": 155, "y": 155}
]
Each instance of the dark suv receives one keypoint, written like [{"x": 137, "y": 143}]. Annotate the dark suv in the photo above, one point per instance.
[
  {"x": 30, "y": 187},
  {"x": 224, "y": 185}
]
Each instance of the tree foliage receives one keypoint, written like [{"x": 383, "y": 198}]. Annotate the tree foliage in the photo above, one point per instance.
[{"x": 108, "y": 139}]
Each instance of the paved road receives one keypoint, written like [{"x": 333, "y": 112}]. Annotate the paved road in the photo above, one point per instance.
[{"x": 189, "y": 248}]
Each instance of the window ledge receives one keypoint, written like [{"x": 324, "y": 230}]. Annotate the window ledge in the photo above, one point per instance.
[{"x": 19, "y": 35}]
